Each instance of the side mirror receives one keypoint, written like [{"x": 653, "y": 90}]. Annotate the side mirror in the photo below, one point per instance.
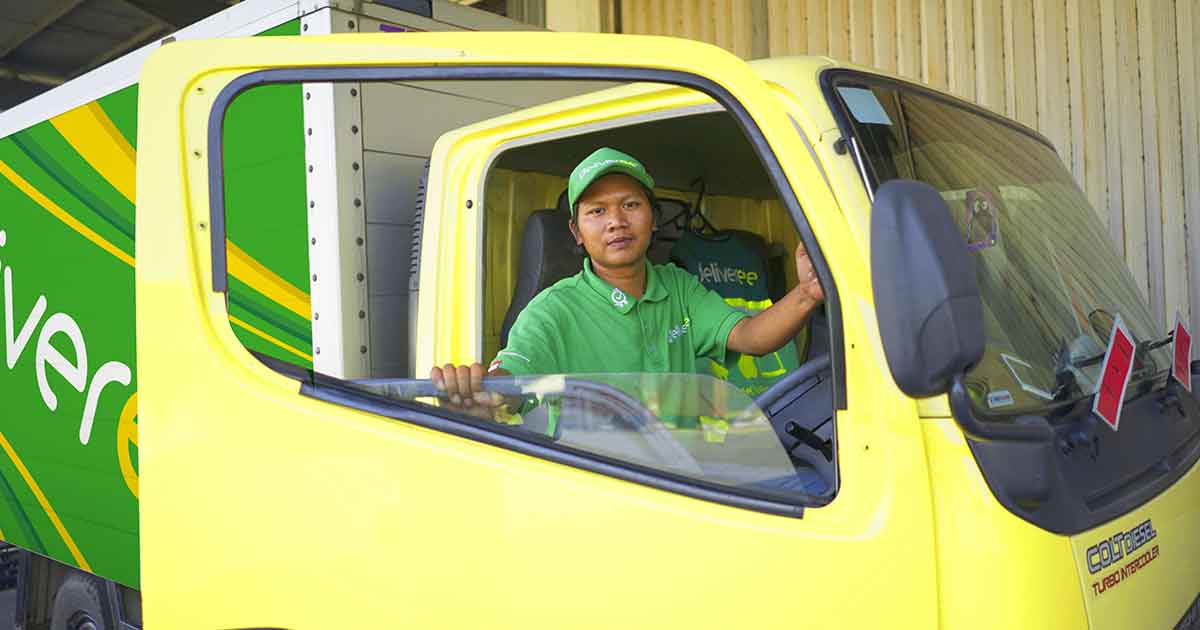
[{"x": 926, "y": 296}]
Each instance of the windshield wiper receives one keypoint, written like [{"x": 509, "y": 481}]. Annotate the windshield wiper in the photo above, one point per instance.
[
  {"x": 1089, "y": 361},
  {"x": 1065, "y": 382},
  {"x": 1147, "y": 346},
  {"x": 1066, "y": 385},
  {"x": 1142, "y": 348}
]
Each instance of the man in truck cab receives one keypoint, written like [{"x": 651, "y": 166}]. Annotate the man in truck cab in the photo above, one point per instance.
[{"x": 622, "y": 314}]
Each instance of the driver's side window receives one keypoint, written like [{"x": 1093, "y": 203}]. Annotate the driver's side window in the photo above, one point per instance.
[
  {"x": 720, "y": 220},
  {"x": 324, "y": 279}
]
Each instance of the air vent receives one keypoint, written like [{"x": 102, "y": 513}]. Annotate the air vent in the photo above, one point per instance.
[{"x": 414, "y": 260}]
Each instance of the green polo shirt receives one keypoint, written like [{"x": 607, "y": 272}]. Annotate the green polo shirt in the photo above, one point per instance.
[{"x": 583, "y": 324}]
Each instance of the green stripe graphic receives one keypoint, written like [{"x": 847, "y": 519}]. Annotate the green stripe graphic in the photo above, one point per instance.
[
  {"x": 62, "y": 164},
  {"x": 13, "y": 151},
  {"x": 121, "y": 107},
  {"x": 267, "y": 315}
]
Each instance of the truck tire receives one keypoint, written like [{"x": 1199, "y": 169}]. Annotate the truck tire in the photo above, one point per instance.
[{"x": 78, "y": 605}]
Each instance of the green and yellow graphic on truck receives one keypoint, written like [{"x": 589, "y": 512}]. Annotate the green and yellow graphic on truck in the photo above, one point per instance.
[{"x": 68, "y": 239}]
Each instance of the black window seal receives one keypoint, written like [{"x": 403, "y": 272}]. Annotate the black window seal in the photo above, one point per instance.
[
  {"x": 721, "y": 95},
  {"x": 834, "y": 78}
]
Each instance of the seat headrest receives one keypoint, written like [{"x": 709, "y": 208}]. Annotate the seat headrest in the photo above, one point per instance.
[{"x": 548, "y": 255}]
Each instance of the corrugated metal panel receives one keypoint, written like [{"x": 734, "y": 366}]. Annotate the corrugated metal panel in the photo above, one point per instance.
[
  {"x": 1113, "y": 83},
  {"x": 1187, "y": 29}
]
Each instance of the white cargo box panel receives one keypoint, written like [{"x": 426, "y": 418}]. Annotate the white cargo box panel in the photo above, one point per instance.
[
  {"x": 246, "y": 19},
  {"x": 337, "y": 190}
]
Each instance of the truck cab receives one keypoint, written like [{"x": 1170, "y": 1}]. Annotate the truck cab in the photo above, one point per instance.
[
  {"x": 950, "y": 472},
  {"x": 322, "y": 220}
]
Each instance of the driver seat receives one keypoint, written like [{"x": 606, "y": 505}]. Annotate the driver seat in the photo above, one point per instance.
[{"x": 548, "y": 254}]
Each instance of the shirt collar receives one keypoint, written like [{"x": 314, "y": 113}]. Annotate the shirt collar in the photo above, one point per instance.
[{"x": 619, "y": 299}]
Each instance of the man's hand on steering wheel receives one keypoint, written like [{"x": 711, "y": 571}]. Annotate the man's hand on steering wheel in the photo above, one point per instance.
[{"x": 462, "y": 389}]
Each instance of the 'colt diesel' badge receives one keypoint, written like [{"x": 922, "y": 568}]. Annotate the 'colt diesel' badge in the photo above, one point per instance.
[{"x": 619, "y": 299}]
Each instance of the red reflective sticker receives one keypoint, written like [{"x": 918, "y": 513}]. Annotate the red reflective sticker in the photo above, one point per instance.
[
  {"x": 1181, "y": 367},
  {"x": 1114, "y": 375}
]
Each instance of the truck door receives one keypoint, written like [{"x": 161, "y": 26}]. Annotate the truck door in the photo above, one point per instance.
[{"x": 297, "y": 477}]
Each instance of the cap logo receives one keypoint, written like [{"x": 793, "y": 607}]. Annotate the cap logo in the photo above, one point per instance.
[
  {"x": 601, "y": 161},
  {"x": 605, "y": 164},
  {"x": 619, "y": 299}
]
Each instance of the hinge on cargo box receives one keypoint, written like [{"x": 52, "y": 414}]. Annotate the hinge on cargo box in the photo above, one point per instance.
[{"x": 312, "y": 6}]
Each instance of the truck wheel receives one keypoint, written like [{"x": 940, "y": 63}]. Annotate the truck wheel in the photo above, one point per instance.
[{"x": 78, "y": 605}]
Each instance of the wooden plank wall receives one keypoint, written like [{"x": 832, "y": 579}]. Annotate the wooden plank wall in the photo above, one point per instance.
[{"x": 1113, "y": 83}]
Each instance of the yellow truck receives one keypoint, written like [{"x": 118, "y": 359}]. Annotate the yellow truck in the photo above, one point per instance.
[{"x": 247, "y": 439}]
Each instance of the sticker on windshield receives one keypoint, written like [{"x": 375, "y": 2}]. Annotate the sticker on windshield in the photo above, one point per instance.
[
  {"x": 983, "y": 220},
  {"x": 1181, "y": 341},
  {"x": 864, "y": 106},
  {"x": 1023, "y": 373},
  {"x": 1114, "y": 375},
  {"x": 999, "y": 398}
]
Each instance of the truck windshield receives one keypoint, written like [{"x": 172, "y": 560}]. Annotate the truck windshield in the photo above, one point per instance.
[{"x": 1052, "y": 282}]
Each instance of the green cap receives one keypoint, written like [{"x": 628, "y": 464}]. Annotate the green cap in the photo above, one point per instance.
[{"x": 601, "y": 162}]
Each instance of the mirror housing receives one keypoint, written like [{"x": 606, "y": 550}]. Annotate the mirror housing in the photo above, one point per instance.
[{"x": 926, "y": 295}]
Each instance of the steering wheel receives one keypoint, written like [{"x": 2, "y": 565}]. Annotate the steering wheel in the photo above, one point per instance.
[
  {"x": 807, "y": 370},
  {"x": 631, "y": 412}
]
